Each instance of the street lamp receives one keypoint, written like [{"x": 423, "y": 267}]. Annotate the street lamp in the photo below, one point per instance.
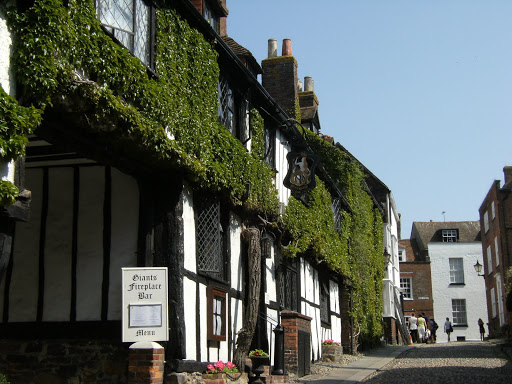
[{"x": 478, "y": 268}]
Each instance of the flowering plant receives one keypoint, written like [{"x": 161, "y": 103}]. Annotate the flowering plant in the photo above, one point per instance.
[
  {"x": 257, "y": 352},
  {"x": 221, "y": 367},
  {"x": 330, "y": 342}
]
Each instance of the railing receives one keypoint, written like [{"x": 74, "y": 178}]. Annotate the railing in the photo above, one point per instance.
[{"x": 401, "y": 320}]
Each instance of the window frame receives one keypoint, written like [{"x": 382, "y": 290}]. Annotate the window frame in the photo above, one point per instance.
[
  {"x": 325, "y": 302},
  {"x": 214, "y": 293},
  {"x": 404, "y": 289},
  {"x": 116, "y": 32},
  {"x": 456, "y": 270},
  {"x": 459, "y": 307},
  {"x": 211, "y": 16},
  {"x": 489, "y": 259},
  {"x": 450, "y": 235},
  {"x": 486, "y": 221},
  {"x": 494, "y": 304},
  {"x": 496, "y": 251},
  {"x": 218, "y": 235},
  {"x": 402, "y": 256}
]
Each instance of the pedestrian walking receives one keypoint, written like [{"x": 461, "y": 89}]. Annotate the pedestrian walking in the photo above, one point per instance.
[
  {"x": 482, "y": 329},
  {"x": 448, "y": 327},
  {"x": 413, "y": 328},
  {"x": 433, "y": 329},
  {"x": 421, "y": 328}
]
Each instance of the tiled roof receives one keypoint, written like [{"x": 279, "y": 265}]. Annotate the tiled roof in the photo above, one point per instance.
[
  {"x": 425, "y": 232},
  {"x": 412, "y": 252},
  {"x": 242, "y": 53}
]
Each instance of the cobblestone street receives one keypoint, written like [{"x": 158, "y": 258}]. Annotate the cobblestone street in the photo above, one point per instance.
[{"x": 456, "y": 362}]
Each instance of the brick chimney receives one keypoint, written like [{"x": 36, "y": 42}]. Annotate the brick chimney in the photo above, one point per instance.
[
  {"x": 280, "y": 77},
  {"x": 507, "y": 170}
]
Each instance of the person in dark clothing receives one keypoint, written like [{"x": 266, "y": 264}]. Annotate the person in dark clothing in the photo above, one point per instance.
[{"x": 482, "y": 329}]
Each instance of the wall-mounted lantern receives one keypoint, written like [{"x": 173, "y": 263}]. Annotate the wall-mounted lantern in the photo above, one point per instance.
[{"x": 478, "y": 268}]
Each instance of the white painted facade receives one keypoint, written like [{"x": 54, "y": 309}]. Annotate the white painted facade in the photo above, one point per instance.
[
  {"x": 392, "y": 268},
  {"x": 472, "y": 291}
]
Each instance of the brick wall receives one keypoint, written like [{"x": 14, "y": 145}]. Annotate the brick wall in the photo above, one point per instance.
[
  {"x": 62, "y": 361},
  {"x": 293, "y": 322},
  {"x": 280, "y": 80}
]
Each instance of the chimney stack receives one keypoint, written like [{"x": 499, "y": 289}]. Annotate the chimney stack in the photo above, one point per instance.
[
  {"x": 280, "y": 77},
  {"x": 507, "y": 170}
]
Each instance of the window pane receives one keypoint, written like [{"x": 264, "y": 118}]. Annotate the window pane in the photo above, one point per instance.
[
  {"x": 209, "y": 241},
  {"x": 142, "y": 38},
  {"x": 456, "y": 271},
  {"x": 406, "y": 287},
  {"x": 459, "y": 311}
]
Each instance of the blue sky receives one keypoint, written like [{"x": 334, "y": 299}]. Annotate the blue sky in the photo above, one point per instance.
[{"x": 419, "y": 91}]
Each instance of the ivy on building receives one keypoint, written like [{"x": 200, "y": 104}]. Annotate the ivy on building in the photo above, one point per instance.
[
  {"x": 64, "y": 58},
  {"x": 356, "y": 251}
]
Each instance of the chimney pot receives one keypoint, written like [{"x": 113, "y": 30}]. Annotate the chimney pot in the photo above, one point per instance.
[
  {"x": 299, "y": 86},
  {"x": 309, "y": 84},
  {"x": 287, "y": 47},
  {"x": 272, "y": 48}
]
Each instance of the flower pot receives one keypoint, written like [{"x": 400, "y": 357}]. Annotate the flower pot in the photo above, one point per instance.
[
  {"x": 258, "y": 364},
  {"x": 332, "y": 352}
]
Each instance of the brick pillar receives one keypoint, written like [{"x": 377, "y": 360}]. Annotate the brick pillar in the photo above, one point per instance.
[
  {"x": 146, "y": 363},
  {"x": 294, "y": 322}
]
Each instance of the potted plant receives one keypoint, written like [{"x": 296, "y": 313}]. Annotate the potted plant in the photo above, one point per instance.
[
  {"x": 259, "y": 359},
  {"x": 219, "y": 371},
  {"x": 331, "y": 350}
]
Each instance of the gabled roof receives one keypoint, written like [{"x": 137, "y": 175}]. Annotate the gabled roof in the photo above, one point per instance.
[{"x": 426, "y": 232}]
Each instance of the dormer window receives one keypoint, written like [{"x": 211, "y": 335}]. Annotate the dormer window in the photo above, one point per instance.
[
  {"x": 210, "y": 17},
  {"x": 450, "y": 235},
  {"x": 130, "y": 23}
]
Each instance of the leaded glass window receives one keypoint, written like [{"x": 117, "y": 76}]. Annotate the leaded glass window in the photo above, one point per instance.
[
  {"x": 129, "y": 21},
  {"x": 209, "y": 232}
]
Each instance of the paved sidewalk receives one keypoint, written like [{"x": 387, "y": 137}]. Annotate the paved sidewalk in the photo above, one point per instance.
[{"x": 360, "y": 369}]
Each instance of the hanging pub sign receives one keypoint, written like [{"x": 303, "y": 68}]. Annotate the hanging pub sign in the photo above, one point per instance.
[
  {"x": 301, "y": 171},
  {"x": 145, "y": 304}
]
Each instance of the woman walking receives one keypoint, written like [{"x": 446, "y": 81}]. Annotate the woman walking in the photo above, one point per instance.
[{"x": 482, "y": 329}]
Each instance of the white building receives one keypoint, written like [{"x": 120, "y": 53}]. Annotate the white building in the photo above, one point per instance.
[{"x": 457, "y": 290}]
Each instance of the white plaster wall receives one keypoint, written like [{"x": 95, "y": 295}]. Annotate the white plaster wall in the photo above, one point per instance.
[
  {"x": 237, "y": 309},
  {"x": 24, "y": 280},
  {"x": 59, "y": 235},
  {"x": 310, "y": 291},
  {"x": 125, "y": 224},
  {"x": 189, "y": 230},
  {"x": 235, "y": 239},
  {"x": 90, "y": 243},
  {"x": 282, "y": 149},
  {"x": 473, "y": 291},
  {"x": 58, "y": 245},
  {"x": 6, "y": 76},
  {"x": 203, "y": 323},
  {"x": 189, "y": 293},
  {"x": 270, "y": 272},
  {"x": 7, "y": 83}
]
